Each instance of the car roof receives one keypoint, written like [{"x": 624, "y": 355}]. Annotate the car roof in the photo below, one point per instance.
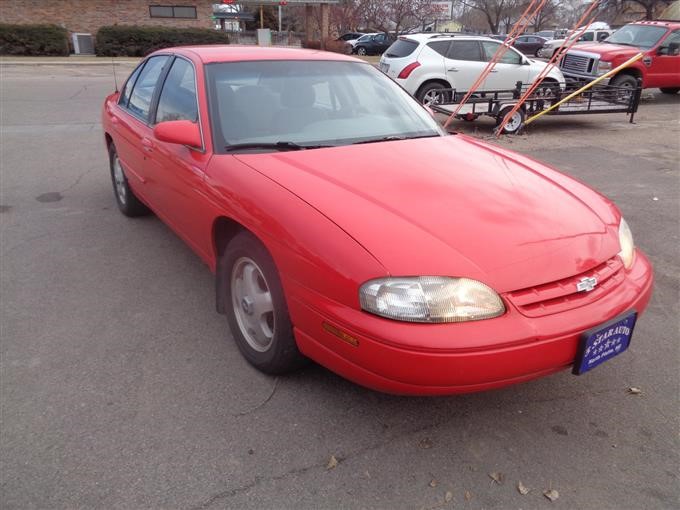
[
  {"x": 421, "y": 38},
  {"x": 234, "y": 53},
  {"x": 664, "y": 23}
]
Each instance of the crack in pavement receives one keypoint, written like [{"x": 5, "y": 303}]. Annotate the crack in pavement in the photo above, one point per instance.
[
  {"x": 78, "y": 92},
  {"x": 229, "y": 493},
  {"x": 78, "y": 179}
]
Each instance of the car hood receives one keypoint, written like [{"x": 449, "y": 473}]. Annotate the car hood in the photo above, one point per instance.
[
  {"x": 609, "y": 51},
  {"x": 453, "y": 206}
]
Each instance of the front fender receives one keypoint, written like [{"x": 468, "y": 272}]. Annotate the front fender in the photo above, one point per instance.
[{"x": 308, "y": 248}]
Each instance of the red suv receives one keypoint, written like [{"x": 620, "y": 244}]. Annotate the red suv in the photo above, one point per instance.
[{"x": 660, "y": 67}]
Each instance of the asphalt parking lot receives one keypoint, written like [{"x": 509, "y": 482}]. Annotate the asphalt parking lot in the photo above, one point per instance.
[{"x": 120, "y": 386}]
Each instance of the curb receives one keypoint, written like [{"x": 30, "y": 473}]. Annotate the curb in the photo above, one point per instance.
[{"x": 7, "y": 63}]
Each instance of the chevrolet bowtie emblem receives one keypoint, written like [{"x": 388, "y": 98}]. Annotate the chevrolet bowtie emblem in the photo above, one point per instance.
[{"x": 586, "y": 284}]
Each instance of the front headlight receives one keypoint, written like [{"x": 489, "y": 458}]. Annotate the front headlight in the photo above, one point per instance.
[
  {"x": 433, "y": 299},
  {"x": 627, "y": 245},
  {"x": 603, "y": 67}
]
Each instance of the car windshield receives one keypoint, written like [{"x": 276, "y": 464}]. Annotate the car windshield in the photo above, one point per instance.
[
  {"x": 287, "y": 105},
  {"x": 641, "y": 36}
]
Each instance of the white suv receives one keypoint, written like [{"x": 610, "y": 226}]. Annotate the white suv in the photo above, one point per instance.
[{"x": 425, "y": 63}]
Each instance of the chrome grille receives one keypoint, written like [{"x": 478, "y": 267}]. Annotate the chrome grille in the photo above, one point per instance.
[{"x": 577, "y": 64}]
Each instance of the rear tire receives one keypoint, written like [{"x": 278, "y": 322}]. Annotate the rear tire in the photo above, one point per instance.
[
  {"x": 127, "y": 201},
  {"x": 256, "y": 307},
  {"x": 671, "y": 90}
]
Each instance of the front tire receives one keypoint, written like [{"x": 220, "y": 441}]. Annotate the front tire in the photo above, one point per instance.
[
  {"x": 431, "y": 94},
  {"x": 625, "y": 81},
  {"x": 361, "y": 51},
  {"x": 256, "y": 307},
  {"x": 670, "y": 90},
  {"x": 127, "y": 201}
]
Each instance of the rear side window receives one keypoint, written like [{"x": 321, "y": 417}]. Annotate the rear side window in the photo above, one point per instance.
[
  {"x": 464, "y": 50},
  {"x": 441, "y": 47},
  {"x": 178, "y": 97},
  {"x": 588, "y": 36},
  {"x": 401, "y": 48},
  {"x": 142, "y": 93}
]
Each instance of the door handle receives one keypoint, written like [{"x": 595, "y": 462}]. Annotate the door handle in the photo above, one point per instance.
[
  {"x": 494, "y": 71},
  {"x": 147, "y": 144},
  {"x": 453, "y": 70}
]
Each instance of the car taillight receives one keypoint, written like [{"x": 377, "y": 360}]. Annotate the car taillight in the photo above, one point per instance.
[{"x": 406, "y": 71}]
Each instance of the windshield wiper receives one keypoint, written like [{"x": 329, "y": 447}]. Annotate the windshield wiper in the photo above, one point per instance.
[
  {"x": 278, "y": 146},
  {"x": 393, "y": 138}
]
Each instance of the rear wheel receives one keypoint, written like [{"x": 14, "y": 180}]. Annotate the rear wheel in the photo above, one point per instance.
[
  {"x": 256, "y": 307},
  {"x": 671, "y": 90}
]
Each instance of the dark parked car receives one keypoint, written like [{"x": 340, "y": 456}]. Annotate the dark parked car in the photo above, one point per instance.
[
  {"x": 529, "y": 44},
  {"x": 350, "y": 36},
  {"x": 374, "y": 44}
]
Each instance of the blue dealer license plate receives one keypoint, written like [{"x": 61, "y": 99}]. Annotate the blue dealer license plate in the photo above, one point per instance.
[{"x": 602, "y": 343}]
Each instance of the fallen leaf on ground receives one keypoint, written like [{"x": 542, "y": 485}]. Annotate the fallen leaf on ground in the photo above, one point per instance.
[
  {"x": 433, "y": 483},
  {"x": 634, "y": 391},
  {"x": 551, "y": 494},
  {"x": 425, "y": 443},
  {"x": 448, "y": 496},
  {"x": 497, "y": 477},
  {"x": 522, "y": 489},
  {"x": 332, "y": 463},
  {"x": 468, "y": 495}
]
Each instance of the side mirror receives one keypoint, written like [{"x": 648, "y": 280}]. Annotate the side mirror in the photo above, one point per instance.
[{"x": 181, "y": 132}]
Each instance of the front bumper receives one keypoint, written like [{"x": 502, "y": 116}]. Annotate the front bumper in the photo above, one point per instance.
[
  {"x": 578, "y": 80},
  {"x": 423, "y": 359}
]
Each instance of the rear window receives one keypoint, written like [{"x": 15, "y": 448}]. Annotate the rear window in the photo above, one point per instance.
[{"x": 401, "y": 48}]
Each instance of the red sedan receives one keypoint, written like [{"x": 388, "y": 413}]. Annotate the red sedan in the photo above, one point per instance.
[{"x": 344, "y": 225}]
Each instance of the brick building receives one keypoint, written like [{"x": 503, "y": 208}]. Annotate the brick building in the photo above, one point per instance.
[{"x": 89, "y": 15}]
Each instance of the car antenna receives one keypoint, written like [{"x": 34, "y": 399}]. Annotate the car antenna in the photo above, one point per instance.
[{"x": 113, "y": 68}]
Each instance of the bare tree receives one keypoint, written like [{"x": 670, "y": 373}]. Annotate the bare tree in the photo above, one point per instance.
[
  {"x": 346, "y": 15},
  {"x": 650, "y": 6},
  {"x": 493, "y": 11},
  {"x": 546, "y": 16}
]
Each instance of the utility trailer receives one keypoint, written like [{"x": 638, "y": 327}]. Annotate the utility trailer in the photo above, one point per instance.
[{"x": 498, "y": 103}]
